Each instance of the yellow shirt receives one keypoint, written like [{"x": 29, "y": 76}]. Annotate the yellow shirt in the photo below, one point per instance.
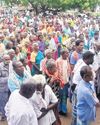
[{"x": 33, "y": 56}]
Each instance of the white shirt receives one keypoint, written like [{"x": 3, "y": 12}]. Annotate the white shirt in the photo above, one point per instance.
[
  {"x": 96, "y": 63},
  {"x": 50, "y": 97},
  {"x": 77, "y": 77},
  {"x": 19, "y": 110}
]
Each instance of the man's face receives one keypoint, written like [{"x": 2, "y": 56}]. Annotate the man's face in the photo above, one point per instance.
[
  {"x": 90, "y": 60},
  {"x": 65, "y": 55},
  {"x": 80, "y": 47},
  {"x": 19, "y": 69},
  {"x": 89, "y": 76},
  {"x": 6, "y": 60},
  {"x": 39, "y": 88},
  {"x": 96, "y": 36},
  {"x": 12, "y": 54}
]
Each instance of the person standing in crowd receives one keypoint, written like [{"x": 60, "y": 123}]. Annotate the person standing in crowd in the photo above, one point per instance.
[
  {"x": 52, "y": 77},
  {"x": 77, "y": 54},
  {"x": 12, "y": 55},
  {"x": 36, "y": 57},
  {"x": 94, "y": 40},
  {"x": 4, "y": 74},
  {"x": 18, "y": 76},
  {"x": 63, "y": 73},
  {"x": 2, "y": 46},
  {"x": 41, "y": 43},
  {"x": 88, "y": 58},
  {"x": 19, "y": 110},
  {"x": 86, "y": 98},
  {"x": 48, "y": 55},
  {"x": 96, "y": 68},
  {"x": 25, "y": 64},
  {"x": 44, "y": 102}
]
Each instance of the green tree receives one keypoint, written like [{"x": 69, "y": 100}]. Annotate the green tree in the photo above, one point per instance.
[{"x": 43, "y": 5}]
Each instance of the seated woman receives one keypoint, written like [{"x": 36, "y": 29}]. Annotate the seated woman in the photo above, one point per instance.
[{"x": 44, "y": 101}]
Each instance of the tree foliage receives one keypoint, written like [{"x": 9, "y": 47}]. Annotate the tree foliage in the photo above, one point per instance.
[{"x": 63, "y": 4}]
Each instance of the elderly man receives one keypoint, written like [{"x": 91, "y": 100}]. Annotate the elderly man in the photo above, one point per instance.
[
  {"x": 19, "y": 110},
  {"x": 4, "y": 73},
  {"x": 44, "y": 101},
  {"x": 18, "y": 76}
]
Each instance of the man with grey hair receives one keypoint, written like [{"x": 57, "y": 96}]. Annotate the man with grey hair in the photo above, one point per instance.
[
  {"x": 44, "y": 101},
  {"x": 4, "y": 73}
]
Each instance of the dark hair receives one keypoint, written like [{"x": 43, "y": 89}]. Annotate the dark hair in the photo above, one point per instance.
[
  {"x": 88, "y": 55},
  {"x": 96, "y": 33},
  {"x": 27, "y": 90},
  {"x": 14, "y": 48},
  {"x": 84, "y": 71},
  {"x": 22, "y": 60},
  {"x": 7, "y": 45},
  {"x": 63, "y": 51},
  {"x": 77, "y": 43}
]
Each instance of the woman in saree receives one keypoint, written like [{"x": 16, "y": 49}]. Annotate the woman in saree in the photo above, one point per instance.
[{"x": 36, "y": 57}]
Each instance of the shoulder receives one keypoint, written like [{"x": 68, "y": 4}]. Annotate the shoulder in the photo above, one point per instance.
[
  {"x": 1, "y": 65},
  {"x": 59, "y": 59}
]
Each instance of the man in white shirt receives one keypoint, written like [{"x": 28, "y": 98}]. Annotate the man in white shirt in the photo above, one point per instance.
[
  {"x": 88, "y": 58},
  {"x": 19, "y": 110}
]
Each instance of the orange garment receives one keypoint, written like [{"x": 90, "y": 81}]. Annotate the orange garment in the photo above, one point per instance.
[
  {"x": 56, "y": 77},
  {"x": 64, "y": 70}
]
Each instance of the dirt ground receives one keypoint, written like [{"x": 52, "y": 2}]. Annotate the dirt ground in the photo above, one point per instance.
[{"x": 67, "y": 120}]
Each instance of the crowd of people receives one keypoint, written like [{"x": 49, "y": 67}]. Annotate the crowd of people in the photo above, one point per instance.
[{"x": 43, "y": 62}]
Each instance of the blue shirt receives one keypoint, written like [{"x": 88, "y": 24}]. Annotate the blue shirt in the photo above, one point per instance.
[
  {"x": 86, "y": 110},
  {"x": 74, "y": 58},
  {"x": 15, "y": 81}
]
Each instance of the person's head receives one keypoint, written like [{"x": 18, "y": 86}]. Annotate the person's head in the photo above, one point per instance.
[
  {"x": 17, "y": 49},
  {"x": 35, "y": 47},
  {"x": 40, "y": 82},
  {"x": 64, "y": 53},
  {"x": 18, "y": 68},
  {"x": 6, "y": 59},
  {"x": 27, "y": 89},
  {"x": 48, "y": 53},
  {"x": 86, "y": 73},
  {"x": 12, "y": 38},
  {"x": 51, "y": 66},
  {"x": 79, "y": 45},
  {"x": 88, "y": 57},
  {"x": 97, "y": 46},
  {"x": 40, "y": 37},
  {"x": 24, "y": 61},
  {"x": 9, "y": 45},
  {"x": 11, "y": 53},
  {"x": 96, "y": 35}
]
